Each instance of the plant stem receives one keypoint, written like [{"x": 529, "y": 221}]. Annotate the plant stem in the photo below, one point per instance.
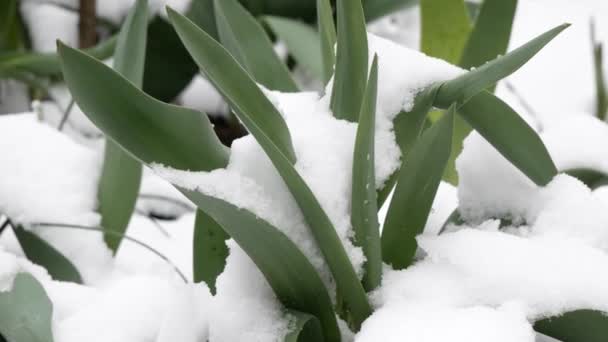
[{"x": 87, "y": 25}]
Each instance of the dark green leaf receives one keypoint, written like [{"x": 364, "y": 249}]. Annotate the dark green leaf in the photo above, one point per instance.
[
  {"x": 302, "y": 42},
  {"x": 140, "y": 124},
  {"x": 364, "y": 210},
  {"x": 468, "y": 85},
  {"x": 306, "y": 328},
  {"x": 445, "y": 28},
  {"x": 375, "y": 9},
  {"x": 291, "y": 276},
  {"x": 209, "y": 250},
  {"x": 576, "y": 326},
  {"x": 244, "y": 37},
  {"x": 592, "y": 178},
  {"x": 211, "y": 56},
  {"x": 601, "y": 103},
  {"x": 255, "y": 110},
  {"x": 26, "y": 312},
  {"x": 351, "y": 61},
  {"x": 327, "y": 33},
  {"x": 502, "y": 127},
  {"x": 417, "y": 185},
  {"x": 42, "y": 253},
  {"x": 121, "y": 174}
]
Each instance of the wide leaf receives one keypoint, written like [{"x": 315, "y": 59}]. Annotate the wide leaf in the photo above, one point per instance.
[
  {"x": 139, "y": 123},
  {"x": 304, "y": 328},
  {"x": 350, "y": 78},
  {"x": 445, "y": 28},
  {"x": 364, "y": 209},
  {"x": 121, "y": 174},
  {"x": 26, "y": 312},
  {"x": 244, "y": 37},
  {"x": 576, "y": 326},
  {"x": 417, "y": 185}
]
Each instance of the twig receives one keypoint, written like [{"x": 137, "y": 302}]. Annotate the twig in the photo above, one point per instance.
[
  {"x": 87, "y": 25},
  {"x": 65, "y": 116},
  {"x": 124, "y": 236}
]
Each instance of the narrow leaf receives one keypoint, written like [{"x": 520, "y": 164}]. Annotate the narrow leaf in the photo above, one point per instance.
[
  {"x": 576, "y": 326},
  {"x": 42, "y": 253},
  {"x": 26, "y": 312},
  {"x": 351, "y": 61},
  {"x": 254, "y": 109},
  {"x": 302, "y": 42},
  {"x": 468, "y": 85},
  {"x": 445, "y": 28},
  {"x": 364, "y": 209},
  {"x": 209, "y": 55},
  {"x": 417, "y": 185},
  {"x": 121, "y": 174},
  {"x": 601, "y": 94},
  {"x": 291, "y": 276},
  {"x": 210, "y": 250},
  {"x": 502, "y": 127},
  {"x": 592, "y": 178},
  {"x": 139, "y": 123},
  {"x": 327, "y": 32},
  {"x": 244, "y": 37}
]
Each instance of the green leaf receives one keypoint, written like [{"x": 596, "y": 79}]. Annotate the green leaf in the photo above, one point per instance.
[
  {"x": 244, "y": 37},
  {"x": 229, "y": 76},
  {"x": 11, "y": 26},
  {"x": 42, "y": 253},
  {"x": 138, "y": 122},
  {"x": 48, "y": 64},
  {"x": 601, "y": 103},
  {"x": 327, "y": 33},
  {"x": 364, "y": 210},
  {"x": 489, "y": 39},
  {"x": 351, "y": 61},
  {"x": 209, "y": 250},
  {"x": 502, "y": 127},
  {"x": 26, "y": 312},
  {"x": 375, "y": 9},
  {"x": 417, "y": 185},
  {"x": 491, "y": 33},
  {"x": 305, "y": 328},
  {"x": 576, "y": 326},
  {"x": 445, "y": 28},
  {"x": 121, "y": 174},
  {"x": 291, "y": 276},
  {"x": 592, "y": 178},
  {"x": 245, "y": 97},
  {"x": 302, "y": 42},
  {"x": 462, "y": 88}
]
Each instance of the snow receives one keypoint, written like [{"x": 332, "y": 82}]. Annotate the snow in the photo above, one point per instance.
[
  {"x": 201, "y": 95},
  {"x": 46, "y": 23}
]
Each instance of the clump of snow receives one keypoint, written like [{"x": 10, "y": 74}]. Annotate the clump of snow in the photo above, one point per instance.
[
  {"x": 47, "y": 22},
  {"x": 401, "y": 27},
  {"x": 430, "y": 323},
  {"x": 201, "y": 95}
]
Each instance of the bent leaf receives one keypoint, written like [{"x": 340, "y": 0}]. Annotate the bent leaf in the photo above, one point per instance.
[
  {"x": 364, "y": 209},
  {"x": 26, "y": 311},
  {"x": 302, "y": 42},
  {"x": 291, "y": 276},
  {"x": 576, "y": 326},
  {"x": 502, "y": 127},
  {"x": 245, "y": 97},
  {"x": 42, "y": 253},
  {"x": 350, "y": 78},
  {"x": 210, "y": 250},
  {"x": 139, "y": 123},
  {"x": 121, "y": 174},
  {"x": 244, "y": 37},
  {"x": 417, "y": 185},
  {"x": 305, "y": 328}
]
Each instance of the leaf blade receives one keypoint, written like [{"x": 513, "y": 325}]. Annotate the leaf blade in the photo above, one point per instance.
[
  {"x": 327, "y": 32},
  {"x": 576, "y": 326},
  {"x": 209, "y": 249},
  {"x": 445, "y": 28}
]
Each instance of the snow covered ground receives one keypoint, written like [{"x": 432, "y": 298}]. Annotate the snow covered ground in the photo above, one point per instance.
[{"x": 477, "y": 281}]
